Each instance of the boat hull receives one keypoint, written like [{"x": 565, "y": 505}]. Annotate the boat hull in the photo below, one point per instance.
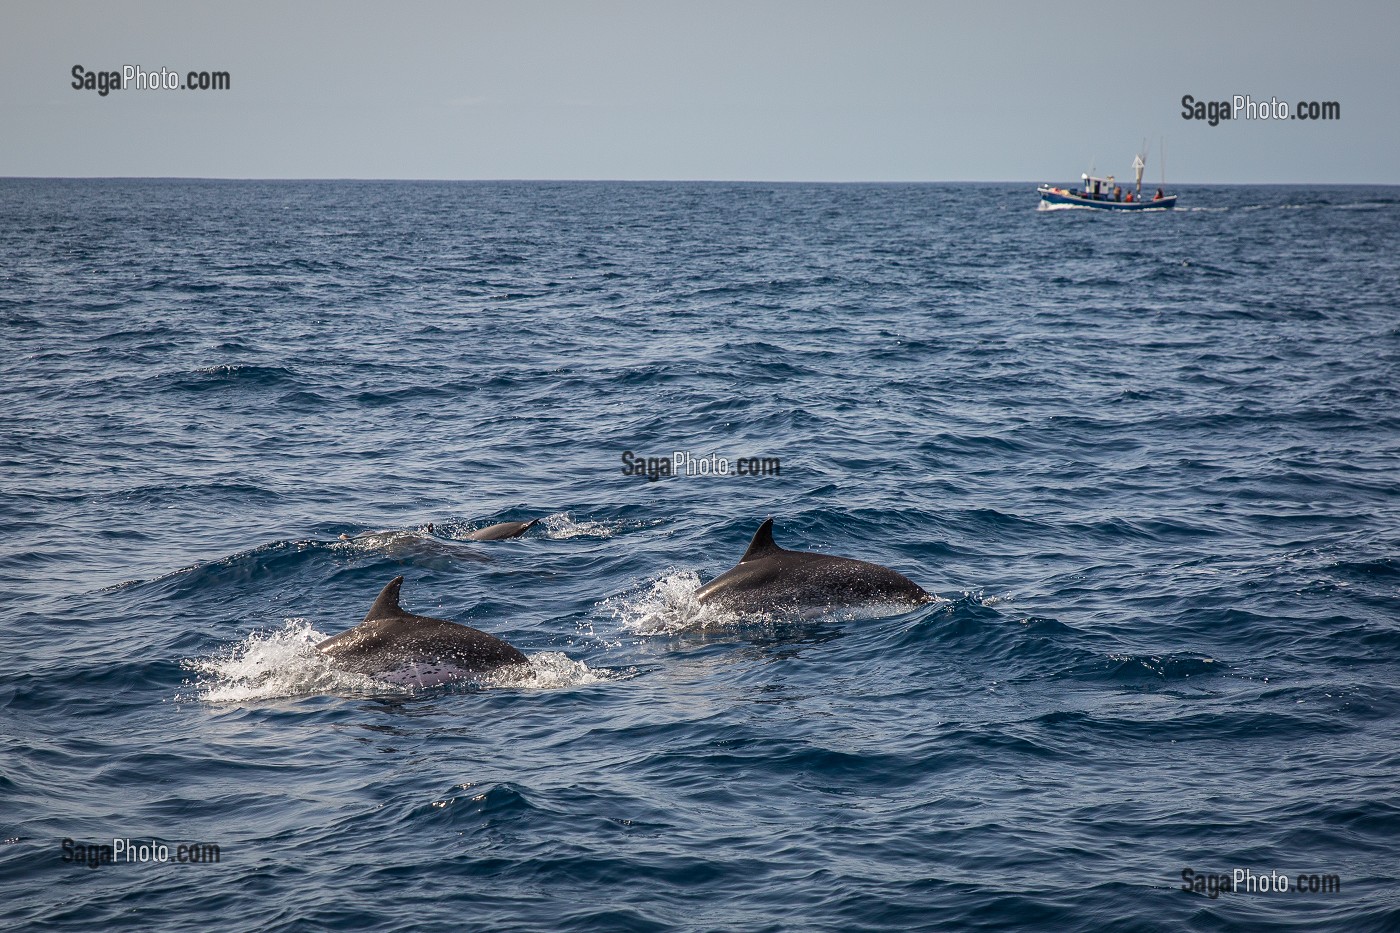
[{"x": 1051, "y": 198}]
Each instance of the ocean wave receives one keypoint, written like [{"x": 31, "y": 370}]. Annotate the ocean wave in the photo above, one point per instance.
[{"x": 1151, "y": 477}]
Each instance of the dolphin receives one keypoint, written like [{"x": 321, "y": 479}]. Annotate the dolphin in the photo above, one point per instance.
[
  {"x": 502, "y": 530},
  {"x": 411, "y": 650},
  {"x": 419, "y": 544},
  {"x": 384, "y": 535},
  {"x": 772, "y": 579}
]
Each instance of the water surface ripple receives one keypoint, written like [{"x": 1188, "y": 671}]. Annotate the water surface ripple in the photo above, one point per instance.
[{"x": 1147, "y": 462}]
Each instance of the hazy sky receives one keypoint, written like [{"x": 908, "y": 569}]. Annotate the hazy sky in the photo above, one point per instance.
[{"x": 780, "y": 90}]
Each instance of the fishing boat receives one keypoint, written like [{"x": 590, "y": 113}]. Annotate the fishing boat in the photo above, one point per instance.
[{"x": 1105, "y": 194}]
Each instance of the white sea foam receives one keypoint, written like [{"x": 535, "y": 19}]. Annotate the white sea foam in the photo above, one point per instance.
[
  {"x": 281, "y": 663},
  {"x": 666, "y": 606},
  {"x": 548, "y": 670},
  {"x": 984, "y": 599},
  {"x": 563, "y": 525}
]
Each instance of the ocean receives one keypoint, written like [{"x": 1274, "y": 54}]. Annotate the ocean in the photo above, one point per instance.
[{"x": 1146, "y": 462}]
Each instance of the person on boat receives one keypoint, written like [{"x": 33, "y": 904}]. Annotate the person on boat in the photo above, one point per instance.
[
  {"x": 1117, "y": 193},
  {"x": 1129, "y": 197},
  {"x": 1158, "y": 195}
]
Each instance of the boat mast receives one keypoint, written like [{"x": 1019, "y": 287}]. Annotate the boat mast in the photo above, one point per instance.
[{"x": 1138, "y": 166}]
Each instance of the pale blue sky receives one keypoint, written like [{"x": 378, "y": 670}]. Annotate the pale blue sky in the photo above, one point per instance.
[{"x": 781, "y": 90}]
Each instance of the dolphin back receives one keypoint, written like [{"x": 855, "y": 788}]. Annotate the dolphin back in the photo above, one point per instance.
[
  {"x": 502, "y": 530},
  {"x": 769, "y": 578},
  {"x": 391, "y": 641}
]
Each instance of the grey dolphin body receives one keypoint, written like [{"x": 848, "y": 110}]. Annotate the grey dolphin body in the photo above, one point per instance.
[
  {"x": 414, "y": 544},
  {"x": 502, "y": 530},
  {"x": 772, "y": 579},
  {"x": 400, "y": 647}
]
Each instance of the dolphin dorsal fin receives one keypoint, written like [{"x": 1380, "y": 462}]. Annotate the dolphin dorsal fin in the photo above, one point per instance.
[
  {"x": 762, "y": 544},
  {"x": 387, "y": 605}
]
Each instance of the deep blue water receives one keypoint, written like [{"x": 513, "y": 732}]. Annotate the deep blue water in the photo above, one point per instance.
[{"x": 1148, "y": 462}]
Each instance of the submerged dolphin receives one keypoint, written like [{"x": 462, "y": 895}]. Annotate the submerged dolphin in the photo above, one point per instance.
[
  {"x": 502, "y": 530},
  {"x": 407, "y": 649},
  {"x": 420, "y": 544},
  {"x": 772, "y": 579}
]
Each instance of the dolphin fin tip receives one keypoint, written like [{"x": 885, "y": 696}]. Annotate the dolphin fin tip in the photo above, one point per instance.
[
  {"x": 762, "y": 542},
  {"x": 387, "y": 605}
]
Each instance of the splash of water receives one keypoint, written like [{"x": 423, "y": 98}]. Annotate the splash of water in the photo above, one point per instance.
[
  {"x": 268, "y": 665},
  {"x": 665, "y": 607},
  {"x": 562, "y": 525},
  {"x": 548, "y": 670}
]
